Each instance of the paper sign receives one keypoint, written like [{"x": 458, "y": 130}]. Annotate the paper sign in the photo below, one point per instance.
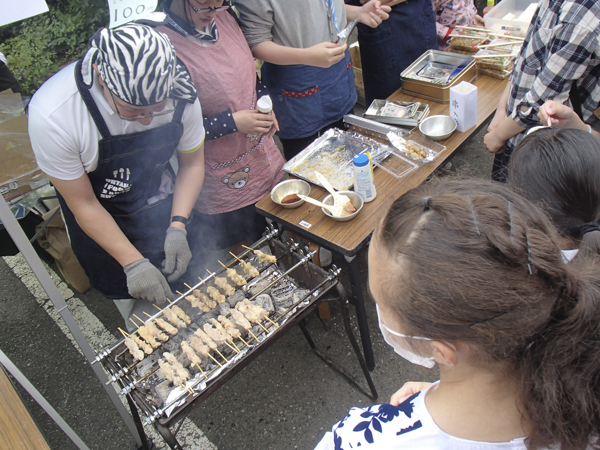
[
  {"x": 13, "y": 11},
  {"x": 124, "y": 11},
  {"x": 463, "y": 105},
  {"x": 305, "y": 224}
]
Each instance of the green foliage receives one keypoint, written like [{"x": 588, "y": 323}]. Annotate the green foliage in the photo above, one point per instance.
[{"x": 38, "y": 47}]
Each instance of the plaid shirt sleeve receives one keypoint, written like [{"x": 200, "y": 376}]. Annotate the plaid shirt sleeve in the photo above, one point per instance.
[{"x": 551, "y": 60}]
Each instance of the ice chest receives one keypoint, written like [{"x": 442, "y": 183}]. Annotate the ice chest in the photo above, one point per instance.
[{"x": 433, "y": 91}]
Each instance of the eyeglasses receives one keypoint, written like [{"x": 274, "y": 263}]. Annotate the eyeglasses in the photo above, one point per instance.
[
  {"x": 143, "y": 116},
  {"x": 209, "y": 9}
]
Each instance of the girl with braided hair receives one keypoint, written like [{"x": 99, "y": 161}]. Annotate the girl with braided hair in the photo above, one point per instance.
[
  {"x": 468, "y": 274},
  {"x": 558, "y": 169}
]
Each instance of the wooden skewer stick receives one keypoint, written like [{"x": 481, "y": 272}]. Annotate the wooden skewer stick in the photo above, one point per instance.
[
  {"x": 467, "y": 36},
  {"x": 255, "y": 338},
  {"x": 187, "y": 286},
  {"x": 496, "y": 56},
  {"x": 272, "y": 322},
  {"x": 200, "y": 369},
  {"x": 211, "y": 357},
  {"x": 231, "y": 347},
  {"x": 223, "y": 264},
  {"x": 201, "y": 280},
  {"x": 156, "y": 306},
  {"x": 249, "y": 248},
  {"x": 236, "y": 347},
  {"x": 178, "y": 293},
  {"x": 499, "y": 44},
  {"x": 133, "y": 322},
  {"x": 262, "y": 326},
  {"x": 209, "y": 272},
  {"x": 231, "y": 253},
  {"x": 124, "y": 333},
  {"x": 187, "y": 388},
  {"x": 170, "y": 300},
  {"x": 470, "y": 28},
  {"x": 507, "y": 36},
  {"x": 147, "y": 314},
  {"x": 242, "y": 339},
  {"x": 221, "y": 355},
  {"x": 139, "y": 318}
]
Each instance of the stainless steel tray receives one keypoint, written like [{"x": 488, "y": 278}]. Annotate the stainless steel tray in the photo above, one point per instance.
[
  {"x": 433, "y": 91},
  {"x": 411, "y": 112},
  {"x": 331, "y": 154}
]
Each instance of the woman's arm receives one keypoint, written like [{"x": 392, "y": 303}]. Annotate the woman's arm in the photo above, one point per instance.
[{"x": 325, "y": 54}]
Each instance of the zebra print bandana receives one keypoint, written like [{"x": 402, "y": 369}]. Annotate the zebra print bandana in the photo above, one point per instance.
[{"x": 138, "y": 65}]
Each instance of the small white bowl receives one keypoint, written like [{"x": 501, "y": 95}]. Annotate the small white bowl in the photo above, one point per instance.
[
  {"x": 287, "y": 187},
  {"x": 438, "y": 128},
  {"x": 356, "y": 200}
]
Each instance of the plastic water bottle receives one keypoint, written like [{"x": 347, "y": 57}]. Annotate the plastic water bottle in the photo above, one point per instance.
[{"x": 364, "y": 184}]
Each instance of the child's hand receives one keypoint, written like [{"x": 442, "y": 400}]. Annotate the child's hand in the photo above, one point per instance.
[
  {"x": 274, "y": 127},
  {"x": 373, "y": 13},
  {"x": 479, "y": 20},
  {"x": 409, "y": 389},
  {"x": 493, "y": 143},
  {"x": 250, "y": 121},
  {"x": 556, "y": 114},
  {"x": 326, "y": 54}
]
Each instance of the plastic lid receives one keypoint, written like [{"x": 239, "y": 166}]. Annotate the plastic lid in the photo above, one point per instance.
[
  {"x": 265, "y": 104},
  {"x": 361, "y": 160}
]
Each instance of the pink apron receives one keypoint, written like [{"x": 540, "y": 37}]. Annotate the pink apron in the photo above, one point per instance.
[{"x": 239, "y": 169}]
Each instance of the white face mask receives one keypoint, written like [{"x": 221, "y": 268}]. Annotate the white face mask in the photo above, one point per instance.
[{"x": 405, "y": 353}]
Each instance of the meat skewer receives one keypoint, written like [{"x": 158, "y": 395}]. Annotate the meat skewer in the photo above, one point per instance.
[
  {"x": 218, "y": 337},
  {"x": 172, "y": 317},
  {"x": 166, "y": 326},
  {"x": 153, "y": 330},
  {"x": 234, "y": 276},
  {"x": 215, "y": 294},
  {"x": 247, "y": 267},
  {"x": 250, "y": 314},
  {"x": 176, "y": 376},
  {"x": 190, "y": 353},
  {"x": 262, "y": 257},
  {"x": 146, "y": 335},
  {"x": 197, "y": 344},
  {"x": 223, "y": 284},
  {"x": 132, "y": 346},
  {"x": 231, "y": 329},
  {"x": 142, "y": 345},
  {"x": 181, "y": 314},
  {"x": 204, "y": 298},
  {"x": 197, "y": 303},
  {"x": 243, "y": 322},
  {"x": 208, "y": 340},
  {"x": 224, "y": 332}
]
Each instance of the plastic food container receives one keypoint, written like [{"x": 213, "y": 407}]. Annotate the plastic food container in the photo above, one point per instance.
[{"x": 512, "y": 16}]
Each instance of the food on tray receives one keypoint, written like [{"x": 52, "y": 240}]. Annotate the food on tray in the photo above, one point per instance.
[
  {"x": 240, "y": 319},
  {"x": 348, "y": 209},
  {"x": 198, "y": 346},
  {"x": 198, "y": 303},
  {"x": 154, "y": 332},
  {"x": 206, "y": 339},
  {"x": 191, "y": 353},
  {"x": 173, "y": 370},
  {"x": 142, "y": 344},
  {"x": 221, "y": 330},
  {"x": 230, "y": 328},
  {"x": 214, "y": 334},
  {"x": 415, "y": 150},
  {"x": 290, "y": 198},
  {"x": 235, "y": 277}
]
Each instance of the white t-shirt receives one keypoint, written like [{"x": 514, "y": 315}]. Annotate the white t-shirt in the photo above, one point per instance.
[
  {"x": 406, "y": 426},
  {"x": 65, "y": 138}
]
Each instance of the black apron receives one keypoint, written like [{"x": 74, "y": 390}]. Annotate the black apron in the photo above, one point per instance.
[{"x": 129, "y": 173}]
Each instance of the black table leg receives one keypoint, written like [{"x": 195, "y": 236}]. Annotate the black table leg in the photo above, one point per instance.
[{"x": 361, "y": 312}]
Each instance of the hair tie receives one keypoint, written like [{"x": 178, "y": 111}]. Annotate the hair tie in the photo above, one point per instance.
[
  {"x": 426, "y": 202},
  {"x": 589, "y": 227}
]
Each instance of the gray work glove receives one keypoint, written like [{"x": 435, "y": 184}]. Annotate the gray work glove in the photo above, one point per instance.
[
  {"x": 177, "y": 253},
  {"x": 145, "y": 281}
]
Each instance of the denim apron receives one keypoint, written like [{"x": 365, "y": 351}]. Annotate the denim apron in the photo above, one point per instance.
[
  {"x": 307, "y": 98},
  {"x": 129, "y": 172},
  {"x": 394, "y": 45}
]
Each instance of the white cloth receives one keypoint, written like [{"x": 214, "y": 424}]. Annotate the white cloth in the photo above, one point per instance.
[
  {"x": 406, "y": 426},
  {"x": 65, "y": 138}
]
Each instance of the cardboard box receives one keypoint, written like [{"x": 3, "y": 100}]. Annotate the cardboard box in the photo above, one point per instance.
[
  {"x": 19, "y": 172},
  {"x": 358, "y": 75}
]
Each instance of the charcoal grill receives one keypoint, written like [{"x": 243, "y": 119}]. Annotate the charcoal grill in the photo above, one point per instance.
[{"x": 293, "y": 284}]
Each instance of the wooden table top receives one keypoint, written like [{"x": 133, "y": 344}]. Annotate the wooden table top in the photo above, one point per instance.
[{"x": 348, "y": 238}]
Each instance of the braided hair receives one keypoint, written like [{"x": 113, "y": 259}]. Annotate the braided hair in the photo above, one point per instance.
[{"x": 482, "y": 265}]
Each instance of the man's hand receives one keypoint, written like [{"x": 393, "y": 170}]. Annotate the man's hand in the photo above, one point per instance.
[
  {"x": 250, "y": 121},
  {"x": 493, "y": 143},
  {"x": 326, "y": 54},
  {"x": 408, "y": 390},
  {"x": 144, "y": 281},
  {"x": 177, "y": 253}
]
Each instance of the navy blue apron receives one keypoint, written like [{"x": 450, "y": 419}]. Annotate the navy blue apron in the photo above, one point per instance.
[
  {"x": 129, "y": 172},
  {"x": 307, "y": 98}
]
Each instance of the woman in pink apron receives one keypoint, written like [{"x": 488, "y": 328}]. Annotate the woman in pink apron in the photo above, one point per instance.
[{"x": 242, "y": 163}]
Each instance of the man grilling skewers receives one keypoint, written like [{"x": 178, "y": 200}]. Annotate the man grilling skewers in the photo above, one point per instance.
[{"x": 103, "y": 130}]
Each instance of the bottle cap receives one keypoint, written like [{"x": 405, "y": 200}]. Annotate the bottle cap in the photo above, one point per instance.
[
  {"x": 264, "y": 104},
  {"x": 361, "y": 160}
]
